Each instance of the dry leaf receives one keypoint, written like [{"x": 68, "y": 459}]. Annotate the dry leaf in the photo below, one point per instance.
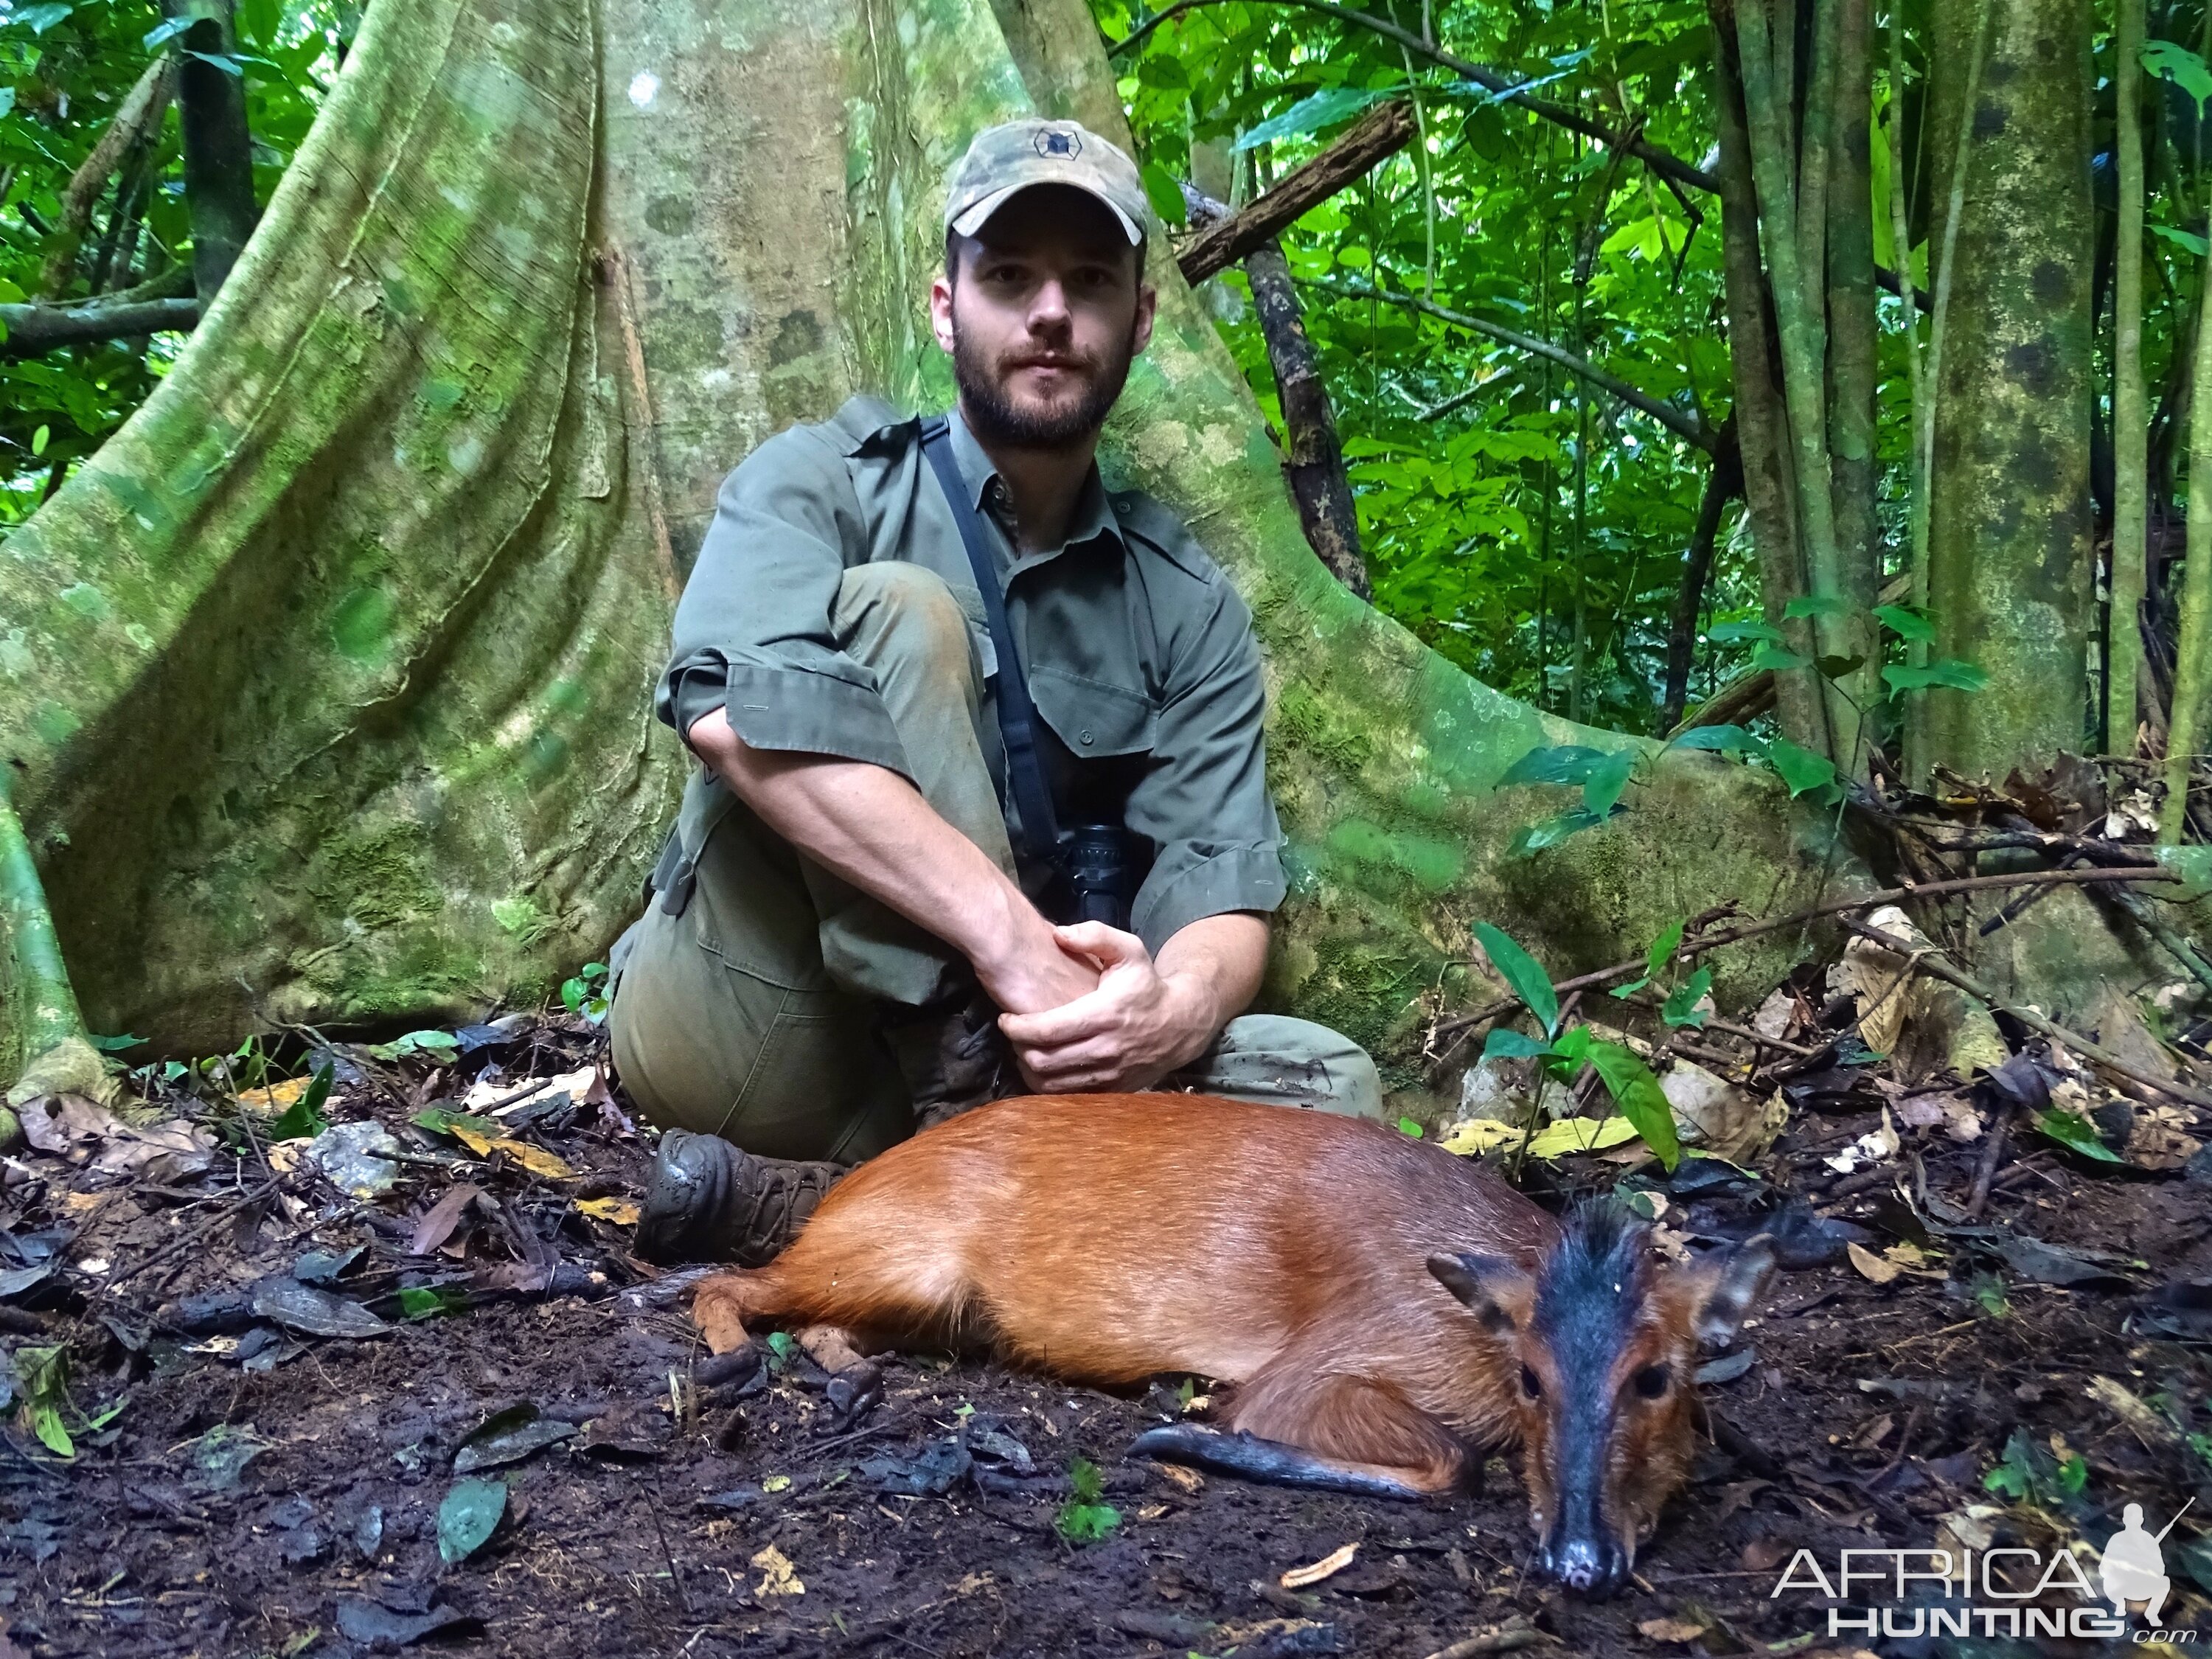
[
  {"x": 1671, "y": 1629},
  {"x": 1775, "y": 1014},
  {"x": 2159, "y": 1139},
  {"x": 276, "y": 1098},
  {"x": 1873, "y": 1267},
  {"x": 438, "y": 1221},
  {"x": 777, "y": 1576},
  {"x": 535, "y": 1160},
  {"x": 620, "y": 1211},
  {"x": 483, "y": 1096},
  {"x": 1327, "y": 1567},
  {"x": 1190, "y": 1479}
]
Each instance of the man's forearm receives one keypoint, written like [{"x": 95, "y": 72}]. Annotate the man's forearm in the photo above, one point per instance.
[
  {"x": 873, "y": 827},
  {"x": 1217, "y": 958}
]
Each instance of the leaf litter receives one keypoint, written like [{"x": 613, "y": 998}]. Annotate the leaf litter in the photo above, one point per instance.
[{"x": 496, "y": 1381}]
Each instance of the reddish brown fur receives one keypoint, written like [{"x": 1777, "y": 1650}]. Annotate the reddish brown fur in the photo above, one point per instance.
[{"x": 1107, "y": 1238}]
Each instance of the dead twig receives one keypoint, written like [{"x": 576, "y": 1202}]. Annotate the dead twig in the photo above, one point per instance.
[
  {"x": 195, "y": 1234},
  {"x": 1930, "y": 961},
  {"x": 1446, "y": 1030},
  {"x": 1510, "y": 1639}
]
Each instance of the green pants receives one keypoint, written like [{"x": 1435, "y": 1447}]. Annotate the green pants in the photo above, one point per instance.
[{"x": 754, "y": 1010}]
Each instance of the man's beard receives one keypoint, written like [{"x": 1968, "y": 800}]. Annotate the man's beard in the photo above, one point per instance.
[{"x": 996, "y": 418}]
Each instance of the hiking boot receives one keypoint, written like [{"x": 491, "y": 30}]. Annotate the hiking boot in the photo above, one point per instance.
[
  {"x": 708, "y": 1200},
  {"x": 954, "y": 1058}
]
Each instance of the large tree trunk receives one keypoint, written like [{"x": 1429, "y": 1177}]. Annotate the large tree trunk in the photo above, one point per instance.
[
  {"x": 326, "y": 685},
  {"x": 2009, "y": 560}
]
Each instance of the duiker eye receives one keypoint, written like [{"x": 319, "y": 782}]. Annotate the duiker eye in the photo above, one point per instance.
[
  {"x": 1651, "y": 1382},
  {"x": 1529, "y": 1386}
]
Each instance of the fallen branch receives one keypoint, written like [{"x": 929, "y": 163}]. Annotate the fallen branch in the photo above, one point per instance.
[
  {"x": 1450, "y": 1028},
  {"x": 1383, "y": 132},
  {"x": 1686, "y": 426},
  {"x": 32, "y": 329},
  {"x": 1932, "y": 961}
]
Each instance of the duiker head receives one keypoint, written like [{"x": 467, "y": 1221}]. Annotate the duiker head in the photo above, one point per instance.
[{"x": 1603, "y": 1340}]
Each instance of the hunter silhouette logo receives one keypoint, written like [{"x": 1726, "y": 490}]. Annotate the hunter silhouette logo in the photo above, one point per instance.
[
  {"x": 2134, "y": 1568},
  {"x": 1063, "y": 146}
]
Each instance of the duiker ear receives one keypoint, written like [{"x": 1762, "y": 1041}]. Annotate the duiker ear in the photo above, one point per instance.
[
  {"x": 1496, "y": 1289},
  {"x": 1727, "y": 1287}
]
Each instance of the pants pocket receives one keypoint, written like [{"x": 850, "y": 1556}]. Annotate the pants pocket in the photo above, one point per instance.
[{"x": 821, "y": 1084}]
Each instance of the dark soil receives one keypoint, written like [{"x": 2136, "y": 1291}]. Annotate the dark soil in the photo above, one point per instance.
[{"x": 1868, "y": 1413}]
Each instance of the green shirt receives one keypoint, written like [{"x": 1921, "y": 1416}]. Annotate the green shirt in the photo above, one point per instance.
[{"x": 1140, "y": 655}]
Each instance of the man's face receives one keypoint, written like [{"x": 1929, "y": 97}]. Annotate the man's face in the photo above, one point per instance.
[{"x": 1043, "y": 317}]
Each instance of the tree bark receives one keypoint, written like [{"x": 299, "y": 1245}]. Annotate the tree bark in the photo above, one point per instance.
[
  {"x": 1383, "y": 132},
  {"x": 1722, "y": 484},
  {"x": 218, "y": 148},
  {"x": 1762, "y": 424},
  {"x": 2009, "y": 515},
  {"x": 1315, "y": 463},
  {"x": 2130, "y": 432},
  {"x": 1854, "y": 470}
]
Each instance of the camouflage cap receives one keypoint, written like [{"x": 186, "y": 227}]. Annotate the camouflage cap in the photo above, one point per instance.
[{"x": 1019, "y": 153}]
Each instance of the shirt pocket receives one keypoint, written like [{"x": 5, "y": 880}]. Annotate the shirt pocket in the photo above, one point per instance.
[{"x": 1093, "y": 719}]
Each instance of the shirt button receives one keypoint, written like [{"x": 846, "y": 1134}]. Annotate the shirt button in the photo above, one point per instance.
[{"x": 1083, "y": 737}]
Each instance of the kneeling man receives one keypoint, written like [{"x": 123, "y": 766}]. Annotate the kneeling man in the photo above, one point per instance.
[{"x": 982, "y": 807}]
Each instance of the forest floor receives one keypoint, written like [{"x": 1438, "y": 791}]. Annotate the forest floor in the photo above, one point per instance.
[{"x": 288, "y": 1404}]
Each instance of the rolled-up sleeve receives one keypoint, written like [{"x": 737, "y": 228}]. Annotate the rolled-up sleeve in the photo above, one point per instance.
[
  {"x": 752, "y": 631},
  {"x": 1204, "y": 802}
]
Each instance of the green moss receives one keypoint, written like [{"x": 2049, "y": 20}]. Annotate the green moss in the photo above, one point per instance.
[{"x": 380, "y": 878}]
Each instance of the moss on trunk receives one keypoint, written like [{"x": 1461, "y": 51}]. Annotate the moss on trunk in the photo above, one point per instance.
[{"x": 2009, "y": 554}]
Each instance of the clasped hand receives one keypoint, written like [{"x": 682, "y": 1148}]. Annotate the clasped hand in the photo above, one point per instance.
[{"x": 1128, "y": 1032}]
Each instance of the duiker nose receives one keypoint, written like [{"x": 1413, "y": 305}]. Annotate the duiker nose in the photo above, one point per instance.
[{"x": 1588, "y": 1567}]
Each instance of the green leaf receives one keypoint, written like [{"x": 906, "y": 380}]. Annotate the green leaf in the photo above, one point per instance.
[
  {"x": 161, "y": 33},
  {"x": 1835, "y": 666},
  {"x": 42, "y": 1376},
  {"x": 39, "y": 440},
  {"x": 1573, "y": 1046},
  {"x": 1801, "y": 769},
  {"x": 444, "y": 1119},
  {"x": 1904, "y": 622},
  {"x": 7, "y": 107},
  {"x": 1084, "y": 1519},
  {"x": 1681, "y": 1007},
  {"x": 1639, "y": 1096},
  {"x": 1729, "y": 633},
  {"x": 1550, "y": 832},
  {"x": 116, "y": 1045},
  {"x": 1625, "y": 991},
  {"x": 1529, "y": 981},
  {"x": 1949, "y": 671},
  {"x": 1407, "y": 1127},
  {"x": 1324, "y": 108},
  {"x": 431, "y": 1301},
  {"x": 1778, "y": 658},
  {"x": 2183, "y": 238},
  {"x": 1722, "y": 739},
  {"x": 1607, "y": 778},
  {"x": 1663, "y": 948},
  {"x": 468, "y": 1517},
  {"x": 1815, "y": 604},
  {"x": 781, "y": 1351},
  {"x": 1505, "y": 1043},
  {"x": 303, "y": 1119},
  {"x": 1165, "y": 195},
  {"x": 222, "y": 60},
  {"x": 2076, "y": 1133},
  {"x": 1566, "y": 762},
  {"x": 2180, "y": 65}
]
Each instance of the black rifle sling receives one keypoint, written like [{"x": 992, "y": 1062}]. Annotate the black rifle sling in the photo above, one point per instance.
[{"x": 1039, "y": 825}]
